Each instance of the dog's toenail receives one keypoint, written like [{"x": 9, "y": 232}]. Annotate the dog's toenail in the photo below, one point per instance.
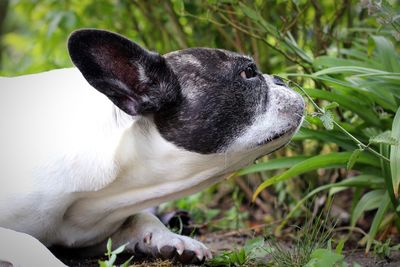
[{"x": 147, "y": 238}]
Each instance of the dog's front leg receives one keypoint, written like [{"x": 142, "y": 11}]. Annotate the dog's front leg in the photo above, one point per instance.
[{"x": 145, "y": 234}]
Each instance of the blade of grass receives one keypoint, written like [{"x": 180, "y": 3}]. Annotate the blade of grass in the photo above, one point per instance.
[
  {"x": 332, "y": 160},
  {"x": 330, "y": 137},
  {"x": 272, "y": 164},
  {"x": 361, "y": 181},
  {"x": 384, "y": 206},
  {"x": 369, "y": 201}
]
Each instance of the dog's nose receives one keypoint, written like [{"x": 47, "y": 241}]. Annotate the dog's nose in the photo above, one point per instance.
[{"x": 278, "y": 81}]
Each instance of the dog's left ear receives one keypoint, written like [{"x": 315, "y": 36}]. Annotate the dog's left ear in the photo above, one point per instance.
[{"x": 134, "y": 79}]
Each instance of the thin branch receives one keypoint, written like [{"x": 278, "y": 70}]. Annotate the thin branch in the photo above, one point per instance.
[
  {"x": 274, "y": 47},
  {"x": 249, "y": 194},
  {"x": 177, "y": 27}
]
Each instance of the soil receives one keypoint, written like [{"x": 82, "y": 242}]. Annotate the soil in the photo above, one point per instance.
[{"x": 219, "y": 242}]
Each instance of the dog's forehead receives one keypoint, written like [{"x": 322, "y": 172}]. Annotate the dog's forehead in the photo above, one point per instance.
[
  {"x": 201, "y": 69},
  {"x": 205, "y": 58}
]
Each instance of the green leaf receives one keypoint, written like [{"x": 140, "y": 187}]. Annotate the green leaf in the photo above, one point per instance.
[
  {"x": 249, "y": 12},
  {"x": 241, "y": 256},
  {"x": 376, "y": 222},
  {"x": 327, "y": 120},
  {"x": 120, "y": 249},
  {"x": 350, "y": 69},
  {"x": 340, "y": 246},
  {"x": 109, "y": 247},
  {"x": 353, "y": 158},
  {"x": 361, "y": 181},
  {"x": 386, "y": 54},
  {"x": 127, "y": 262},
  {"x": 369, "y": 201},
  {"x": 256, "y": 248},
  {"x": 332, "y": 160},
  {"x": 384, "y": 138},
  {"x": 272, "y": 164},
  {"x": 333, "y": 137},
  {"x": 112, "y": 259},
  {"x": 331, "y": 106},
  {"x": 324, "y": 258},
  {"x": 395, "y": 154}
]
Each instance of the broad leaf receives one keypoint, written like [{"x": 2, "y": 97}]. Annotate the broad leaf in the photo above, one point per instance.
[
  {"x": 324, "y": 258},
  {"x": 369, "y": 201},
  {"x": 395, "y": 155}
]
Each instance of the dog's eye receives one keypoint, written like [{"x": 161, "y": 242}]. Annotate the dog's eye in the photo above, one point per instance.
[
  {"x": 248, "y": 73},
  {"x": 278, "y": 81}
]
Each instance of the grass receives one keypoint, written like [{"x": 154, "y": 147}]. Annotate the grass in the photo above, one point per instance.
[
  {"x": 365, "y": 146},
  {"x": 312, "y": 247}
]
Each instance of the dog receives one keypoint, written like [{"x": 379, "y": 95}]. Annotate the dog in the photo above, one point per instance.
[{"x": 85, "y": 150}]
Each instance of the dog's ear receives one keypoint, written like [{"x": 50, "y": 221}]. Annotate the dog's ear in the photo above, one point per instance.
[{"x": 134, "y": 79}]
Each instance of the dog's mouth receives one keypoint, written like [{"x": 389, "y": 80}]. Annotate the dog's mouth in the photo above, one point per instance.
[
  {"x": 284, "y": 134},
  {"x": 279, "y": 135}
]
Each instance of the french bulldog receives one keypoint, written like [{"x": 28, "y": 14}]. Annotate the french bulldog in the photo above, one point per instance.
[{"x": 85, "y": 150}]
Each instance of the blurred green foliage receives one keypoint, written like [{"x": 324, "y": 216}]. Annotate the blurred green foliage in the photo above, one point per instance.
[
  {"x": 344, "y": 54},
  {"x": 279, "y": 34}
]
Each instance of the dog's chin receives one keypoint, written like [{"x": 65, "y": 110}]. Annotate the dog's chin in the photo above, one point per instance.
[
  {"x": 283, "y": 136},
  {"x": 276, "y": 142}
]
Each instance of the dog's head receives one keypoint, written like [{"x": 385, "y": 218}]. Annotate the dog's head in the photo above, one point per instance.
[{"x": 202, "y": 100}]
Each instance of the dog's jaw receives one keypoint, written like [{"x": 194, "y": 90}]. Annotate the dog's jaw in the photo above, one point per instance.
[{"x": 275, "y": 123}]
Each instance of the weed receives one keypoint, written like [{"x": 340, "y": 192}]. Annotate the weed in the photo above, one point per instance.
[
  {"x": 112, "y": 256},
  {"x": 384, "y": 249},
  {"x": 253, "y": 252}
]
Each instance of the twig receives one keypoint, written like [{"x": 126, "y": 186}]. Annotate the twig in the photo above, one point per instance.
[{"x": 249, "y": 194}]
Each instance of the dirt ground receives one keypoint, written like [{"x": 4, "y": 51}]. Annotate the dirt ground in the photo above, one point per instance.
[{"x": 219, "y": 242}]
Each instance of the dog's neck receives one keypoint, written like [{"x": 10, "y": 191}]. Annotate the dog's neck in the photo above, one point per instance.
[{"x": 145, "y": 155}]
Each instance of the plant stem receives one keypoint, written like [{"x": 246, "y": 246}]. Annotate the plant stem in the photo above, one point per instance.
[{"x": 361, "y": 144}]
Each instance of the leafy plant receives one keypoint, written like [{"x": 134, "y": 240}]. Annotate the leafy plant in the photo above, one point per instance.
[
  {"x": 367, "y": 131},
  {"x": 112, "y": 256}
]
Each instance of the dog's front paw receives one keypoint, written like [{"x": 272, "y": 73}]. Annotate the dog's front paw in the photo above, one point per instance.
[{"x": 167, "y": 245}]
